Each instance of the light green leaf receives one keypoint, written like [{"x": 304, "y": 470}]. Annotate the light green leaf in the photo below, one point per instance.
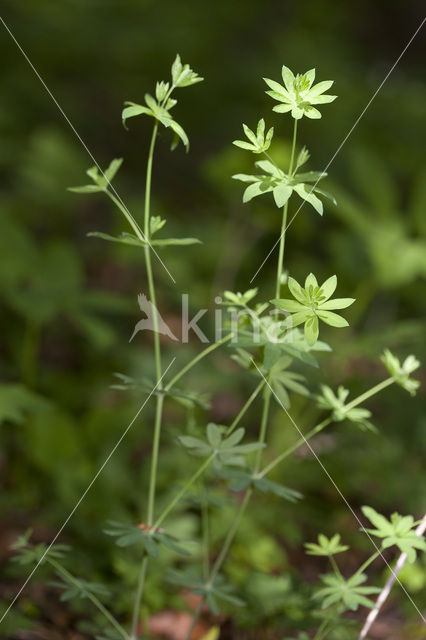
[
  {"x": 281, "y": 194},
  {"x": 337, "y": 303},
  {"x": 310, "y": 197},
  {"x": 328, "y": 288},
  {"x": 311, "y": 330},
  {"x": 333, "y": 319}
]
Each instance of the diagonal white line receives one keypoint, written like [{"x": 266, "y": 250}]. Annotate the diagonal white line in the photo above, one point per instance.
[
  {"x": 345, "y": 139},
  {"x": 83, "y": 144},
  {"x": 84, "y": 494},
  {"x": 341, "y": 495}
]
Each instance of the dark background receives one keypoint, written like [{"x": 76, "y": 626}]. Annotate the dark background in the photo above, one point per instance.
[{"x": 69, "y": 301}]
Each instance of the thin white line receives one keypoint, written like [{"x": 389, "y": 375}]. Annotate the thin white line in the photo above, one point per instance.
[
  {"x": 341, "y": 495},
  {"x": 83, "y": 143},
  {"x": 344, "y": 141},
  {"x": 84, "y": 495}
]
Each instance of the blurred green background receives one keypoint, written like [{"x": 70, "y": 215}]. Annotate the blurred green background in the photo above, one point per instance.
[{"x": 69, "y": 302}]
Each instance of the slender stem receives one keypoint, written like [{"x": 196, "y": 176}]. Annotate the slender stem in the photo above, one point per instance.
[
  {"x": 182, "y": 492},
  {"x": 367, "y": 563},
  {"x": 319, "y": 427},
  {"x": 195, "y": 618},
  {"x": 98, "y": 604},
  {"x": 284, "y": 220},
  {"x": 158, "y": 372},
  {"x": 138, "y": 597},
  {"x": 265, "y": 412},
  {"x": 335, "y": 566},
  {"x": 130, "y": 219},
  {"x": 263, "y": 425},
  {"x": 151, "y": 284},
  {"x": 230, "y": 537},
  {"x": 244, "y": 409},
  {"x": 207, "y": 462},
  {"x": 371, "y": 392},
  {"x": 154, "y": 458},
  {"x": 196, "y": 359},
  {"x": 206, "y": 534},
  {"x": 320, "y": 634}
]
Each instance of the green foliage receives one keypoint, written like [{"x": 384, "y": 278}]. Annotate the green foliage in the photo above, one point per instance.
[
  {"x": 240, "y": 480},
  {"x": 149, "y": 539},
  {"x": 401, "y": 372},
  {"x": 159, "y": 107},
  {"x": 278, "y": 361},
  {"x": 349, "y": 592},
  {"x": 326, "y": 546},
  {"x": 258, "y": 142},
  {"x": 398, "y": 531},
  {"x": 81, "y": 589},
  {"x": 299, "y": 93},
  {"x": 282, "y": 185},
  {"x": 312, "y": 303},
  {"x": 101, "y": 179},
  {"x": 337, "y": 403},
  {"x": 224, "y": 450},
  {"x": 217, "y": 590},
  {"x": 27, "y": 553}
]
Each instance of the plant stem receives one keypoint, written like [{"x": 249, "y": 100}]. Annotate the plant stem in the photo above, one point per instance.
[
  {"x": 284, "y": 220},
  {"x": 244, "y": 409},
  {"x": 319, "y": 427},
  {"x": 158, "y": 372},
  {"x": 182, "y": 492},
  {"x": 154, "y": 458},
  {"x": 98, "y": 604},
  {"x": 371, "y": 392},
  {"x": 263, "y": 425},
  {"x": 206, "y": 535},
  {"x": 207, "y": 462},
  {"x": 138, "y": 597},
  {"x": 230, "y": 537},
  {"x": 130, "y": 219},
  {"x": 367, "y": 563},
  {"x": 196, "y": 359},
  {"x": 335, "y": 566},
  {"x": 195, "y": 618},
  {"x": 265, "y": 413},
  {"x": 151, "y": 285}
]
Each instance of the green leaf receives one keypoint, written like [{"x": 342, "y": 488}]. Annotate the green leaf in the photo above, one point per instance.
[
  {"x": 333, "y": 319},
  {"x": 311, "y": 329},
  {"x": 328, "y": 288},
  {"x": 125, "y": 238},
  {"x": 133, "y": 110},
  {"x": 310, "y": 197},
  {"x": 111, "y": 171},
  {"x": 89, "y": 188},
  {"x": 281, "y": 194},
  {"x": 337, "y": 303},
  {"x": 180, "y": 133}
]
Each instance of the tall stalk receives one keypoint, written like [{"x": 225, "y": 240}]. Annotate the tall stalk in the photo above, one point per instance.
[
  {"x": 158, "y": 375},
  {"x": 265, "y": 411},
  {"x": 280, "y": 264}
]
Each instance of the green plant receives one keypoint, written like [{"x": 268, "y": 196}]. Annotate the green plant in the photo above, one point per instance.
[{"x": 279, "y": 347}]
